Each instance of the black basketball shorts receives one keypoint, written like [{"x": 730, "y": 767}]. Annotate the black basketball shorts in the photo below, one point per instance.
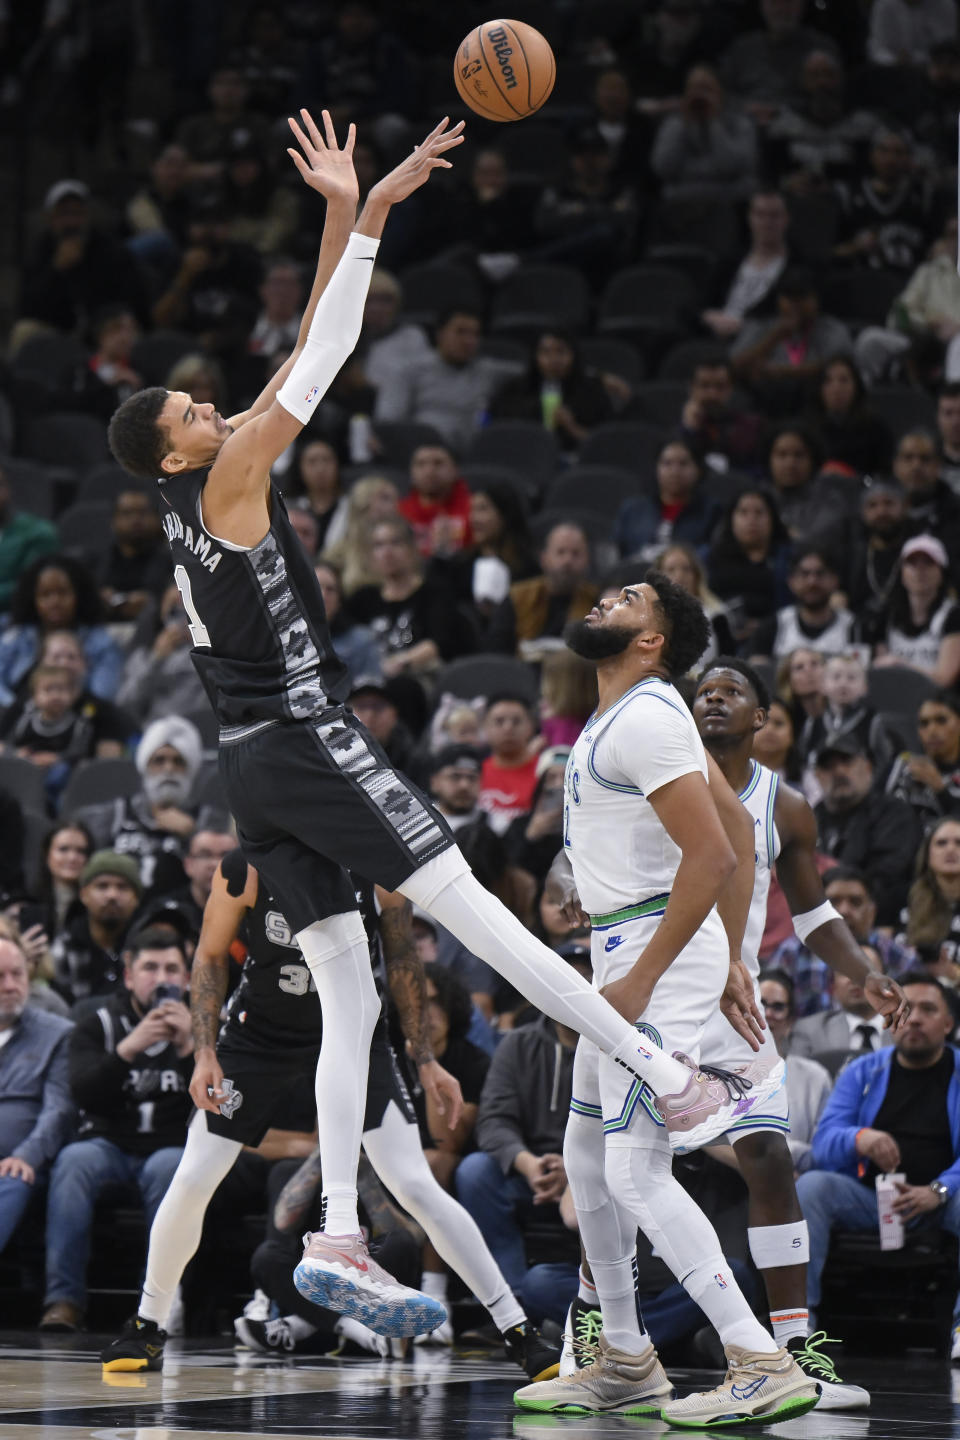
[
  {"x": 313, "y": 799},
  {"x": 278, "y": 1090}
]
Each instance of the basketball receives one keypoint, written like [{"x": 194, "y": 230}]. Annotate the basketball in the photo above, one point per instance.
[{"x": 504, "y": 70}]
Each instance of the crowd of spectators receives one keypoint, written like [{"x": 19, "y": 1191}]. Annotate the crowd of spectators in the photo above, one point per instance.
[{"x": 701, "y": 311}]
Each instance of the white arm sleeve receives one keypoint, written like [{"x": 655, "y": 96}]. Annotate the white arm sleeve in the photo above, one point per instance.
[{"x": 334, "y": 330}]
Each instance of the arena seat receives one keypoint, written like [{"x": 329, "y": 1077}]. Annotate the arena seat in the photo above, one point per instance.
[
  {"x": 862, "y": 297},
  {"x": 599, "y": 487},
  {"x": 903, "y": 408},
  {"x": 487, "y": 675},
  {"x": 519, "y": 445},
  {"x": 645, "y": 295},
  {"x": 49, "y": 358},
  {"x": 41, "y": 489},
  {"x": 897, "y": 687},
  {"x": 66, "y": 439},
  {"x": 536, "y": 297},
  {"x": 619, "y": 357},
  {"x": 478, "y": 476},
  {"x": 85, "y": 528},
  {"x": 429, "y": 290},
  {"x": 93, "y": 782},
  {"x": 627, "y": 445},
  {"x": 683, "y": 358},
  {"x": 908, "y": 1294},
  {"x": 103, "y": 483},
  {"x": 24, "y": 782},
  {"x": 154, "y": 355},
  {"x": 399, "y": 438}
]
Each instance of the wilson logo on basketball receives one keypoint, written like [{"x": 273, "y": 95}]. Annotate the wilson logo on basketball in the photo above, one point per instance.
[{"x": 503, "y": 52}]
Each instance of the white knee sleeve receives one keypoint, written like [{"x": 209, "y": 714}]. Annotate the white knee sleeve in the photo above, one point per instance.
[{"x": 775, "y": 1246}]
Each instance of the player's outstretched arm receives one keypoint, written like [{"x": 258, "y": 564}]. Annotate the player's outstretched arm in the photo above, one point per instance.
[
  {"x": 815, "y": 920},
  {"x": 222, "y": 915}
]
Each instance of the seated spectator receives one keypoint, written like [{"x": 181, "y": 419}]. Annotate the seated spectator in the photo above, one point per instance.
[
  {"x": 383, "y": 706},
  {"x": 775, "y": 745},
  {"x": 921, "y": 625},
  {"x": 356, "y": 645},
  {"x": 532, "y": 618},
  {"x": 206, "y": 849},
  {"x": 75, "y": 267},
  {"x": 931, "y": 504},
  {"x": 456, "y": 721},
  {"x": 202, "y": 378},
  {"x": 136, "y": 566},
  {"x": 449, "y": 1020},
  {"x": 814, "y": 622},
  {"x": 933, "y": 905},
  {"x": 808, "y": 1083},
  {"x": 778, "y": 358},
  {"x": 708, "y": 150},
  {"x": 449, "y": 387},
  {"x": 371, "y": 499},
  {"x": 519, "y": 1160},
  {"x": 948, "y": 431},
  {"x": 52, "y": 731},
  {"x": 902, "y": 32},
  {"x": 800, "y": 684},
  {"x": 779, "y": 1009},
  {"x": 316, "y": 477},
  {"x": 715, "y": 420},
  {"x": 533, "y": 839},
  {"x": 36, "y": 1107},
  {"x": 919, "y": 339},
  {"x": 153, "y": 826},
  {"x": 263, "y": 214},
  {"x": 210, "y": 296},
  {"x": 500, "y": 552},
  {"x": 808, "y": 506},
  {"x": 681, "y": 510},
  {"x": 66, "y": 849},
  {"x": 851, "y": 1024},
  {"x": 24, "y": 539},
  {"x": 751, "y": 288},
  {"x": 56, "y": 592},
  {"x": 588, "y": 219},
  {"x": 930, "y": 781},
  {"x": 765, "y": 65},
  {"x": 414, "y": 620},
  {"x": 819, "y": 140},
  {"x": 111, "y": 726},
  {"x": 556, "y": 392},
  {"x": 361, "y": 71},
  {"x": 277, "y": 327},
  {"x": 387, "y": 344},
  {"x": 848, "y": 712},
  {"x": 454, "y": 784},
  {"x": 568, "y": 696},
  {"x": 130, "y": 1066},
  {"x": 159, "y": 676},
  {"x": 158, "y": 215},
  {"x": 748, "y": 560},
  {"x": 508, "y": 775},
  {"x": 854, "y": 438},
  {"x": 849, "y": 891},
  {"x": 488, "y": 221},
  {"x": 861, "y": 826},
  {"x": 304, "y": 524},
  {"x": 615, "y": 113},
  {"x": 437, "y": 505},
  {"x": 86, "y": 952},
  {"x": 206, "y": 136},
  {"x": 681, "y": 563},
  {"x": 107, "y": 377},
  {"x": 877, "y": 541},
  {"x": 888, "y": 215},
  {"x": 894, "y": 1110}
]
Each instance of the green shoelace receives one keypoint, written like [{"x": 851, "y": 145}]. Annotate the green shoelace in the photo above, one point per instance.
[
  {"x": 812, "y": 1360},
  {"x": 586, "y": 1337}
]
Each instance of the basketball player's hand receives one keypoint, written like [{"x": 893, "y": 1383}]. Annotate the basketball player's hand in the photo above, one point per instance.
[
  {"x": 413, "y": 172},
  {"x": 888, "y": 1000},
  {"x": 443, "y": 1089},
  {"x": 738, "y": 1003},
  {"x": 17, "y": 1169},
  {"x": 323, "y": 165},
  {"x": 629, "y": 996},
  {"x": 207, "y": 1075},
  {"x": 571, "y": 909}
]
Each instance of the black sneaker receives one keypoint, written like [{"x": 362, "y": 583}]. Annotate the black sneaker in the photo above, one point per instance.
[
  {"x": 581, "y": 1335},
  {"x": 835, "y": 1394},
  {"x": 272, "y": 1337},
  {"x": 536, "y": 1356},
  {"x": 139, "y": 1347}
]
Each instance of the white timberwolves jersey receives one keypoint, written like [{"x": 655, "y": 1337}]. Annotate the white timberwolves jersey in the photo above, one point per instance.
[
  {"x": 622, "y": 857},
  {"x": 759, "y": 798}
]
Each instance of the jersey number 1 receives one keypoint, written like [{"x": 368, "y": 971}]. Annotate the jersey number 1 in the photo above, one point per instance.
[{"x": 199, "y": 633}]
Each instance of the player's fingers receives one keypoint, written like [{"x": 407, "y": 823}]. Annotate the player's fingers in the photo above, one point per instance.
[
  {"x": 299, "y": 134},
  {"x": 350, "y": 141},
  {"x": 329, "y": 129},
  {"x": 299, "y": 161},
  {"x": 316, "y": 139}
]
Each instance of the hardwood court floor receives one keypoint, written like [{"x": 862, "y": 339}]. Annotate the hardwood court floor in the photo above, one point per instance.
[{"x": 53, "y": 1389}]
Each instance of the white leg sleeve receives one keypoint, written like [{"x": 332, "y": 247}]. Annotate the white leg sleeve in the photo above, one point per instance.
[
  {"x": 334, "y": 331},
  {"x": 339, "y": 959},
  {"x": 175, "y": 1232},
  {"x": 455, "y": 897},
  {"x": 396, "y": 1154}
]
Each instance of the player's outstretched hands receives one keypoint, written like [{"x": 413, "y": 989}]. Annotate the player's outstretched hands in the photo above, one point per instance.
[
  {"x": 323, "y": 165},
  {"x": 739, "y": 1005},
  {"x": 415, "y": 171},
  {"x": 888, "y": 1000}
]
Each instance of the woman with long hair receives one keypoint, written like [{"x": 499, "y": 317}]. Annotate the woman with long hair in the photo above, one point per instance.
[
  {"x": 800, "y": 685},
  {"x": 681, "y": 563},
  {"x": 57, "y": 592},
  {"x": 556, "y": 391},
  {"x": 316, "y": 477},
  {"x": 921, "y": 626},
  {"x": 371, "y": 498},
  {"x": 855, "y": 439},
  {"x": 775, "y": 744},
  {"x": 793, "y": 460},
  {"x": 568, "y": 696},
  {"x": 67, "y": 847},
  {"x": 501, "y": 551},
  {"x": 748, "y": 561},
  {"x": 933, "y": 904}
]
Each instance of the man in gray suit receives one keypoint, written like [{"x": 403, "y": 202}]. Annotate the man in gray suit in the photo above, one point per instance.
[{"x": 852, "y": 1027}]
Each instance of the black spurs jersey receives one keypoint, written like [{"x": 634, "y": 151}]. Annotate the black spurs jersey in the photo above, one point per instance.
[
  {"x": 260, "y": 639},
  {"x": 275, "y": 1005}
]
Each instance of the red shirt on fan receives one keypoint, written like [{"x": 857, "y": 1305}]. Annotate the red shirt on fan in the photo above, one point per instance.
[
  {"x": 423, "y": 514},
  {"x": 506, "y": 791}
]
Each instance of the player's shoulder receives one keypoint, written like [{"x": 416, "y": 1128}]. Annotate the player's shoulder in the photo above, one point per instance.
[
  {"x": 651, "y": 700},
  {"x": 792, "y": 811}
]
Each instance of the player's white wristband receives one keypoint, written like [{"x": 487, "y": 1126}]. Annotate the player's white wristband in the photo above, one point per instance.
[
  {"x": 811, "y": 920},
  {"x": 334, "y": 330}
]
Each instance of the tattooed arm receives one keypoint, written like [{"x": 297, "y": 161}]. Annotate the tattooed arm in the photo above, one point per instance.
[
  {"x": 296, "y": 1197},
  {"x": 408, "y": 989},
  {"x": 222, "y": 915}
]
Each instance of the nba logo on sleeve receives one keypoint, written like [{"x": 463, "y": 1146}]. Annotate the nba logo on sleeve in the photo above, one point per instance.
[{"x": 312, "y": 394}]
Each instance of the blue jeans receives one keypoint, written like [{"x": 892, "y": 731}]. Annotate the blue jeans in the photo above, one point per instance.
[
  {"x": 838, "y": 1202},
  {"x": 15, "y": 1196},
  {"x": 80, "y": 1173},
  {"x": 499, "y": 1204}
]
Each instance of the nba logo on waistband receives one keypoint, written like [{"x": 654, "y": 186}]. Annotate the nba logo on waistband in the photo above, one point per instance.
[{"x": 312, "y": 394}]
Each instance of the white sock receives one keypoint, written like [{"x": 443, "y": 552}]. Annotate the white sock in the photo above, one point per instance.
[
  {"x": 506, "y": 1313},
  {"x": 339, "y": 959},
  {"x": 434, "y": 1284},
  {"x": 712, "y": 1286},
  {"x": 488, "y": 929},
  {"x": 300, "y": 1329},
  {"x": 790, "y": 1324},
  {"x": 587, "y": 1291}
]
